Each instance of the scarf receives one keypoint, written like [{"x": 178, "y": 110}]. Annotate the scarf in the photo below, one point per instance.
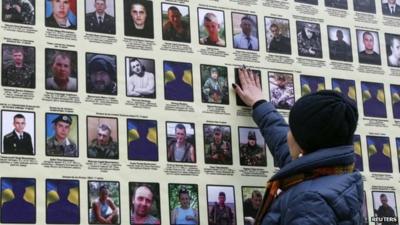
[{"x": 283, "y": 184}]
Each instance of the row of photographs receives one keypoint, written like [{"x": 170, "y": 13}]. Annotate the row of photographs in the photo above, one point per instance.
[
  {"x": 63, "y": 203},
  {"x": 18, "y": 129},
  {"x": 277, "y": 33},
  {"x": 101, "y": 78}
]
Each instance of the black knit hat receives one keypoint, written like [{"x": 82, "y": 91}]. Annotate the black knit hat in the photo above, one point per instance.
[{"x": 323, "y": 119}]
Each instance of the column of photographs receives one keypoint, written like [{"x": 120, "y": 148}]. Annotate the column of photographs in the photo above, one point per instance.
[{"x": 19, "y": 70}]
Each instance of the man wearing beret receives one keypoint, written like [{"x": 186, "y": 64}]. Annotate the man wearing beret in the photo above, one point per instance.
[
  {"x": 18, "y": 141},
  {"x": 101, "y": 75},
  {"x": 59, "y": 144},
  {"x": 317, "y": 182}
]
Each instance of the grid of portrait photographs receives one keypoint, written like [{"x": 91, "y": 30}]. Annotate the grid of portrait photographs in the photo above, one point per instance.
[{"x": 123, "y": 112}]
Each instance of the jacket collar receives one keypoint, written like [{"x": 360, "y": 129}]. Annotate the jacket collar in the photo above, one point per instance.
[{"x": 340, "y": 155}]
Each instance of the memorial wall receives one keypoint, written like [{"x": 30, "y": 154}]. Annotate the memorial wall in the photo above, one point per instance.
[{"x": 122, "y": 111}]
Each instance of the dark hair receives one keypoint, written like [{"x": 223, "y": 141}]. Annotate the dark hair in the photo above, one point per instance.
[{"x": 18, "y": 116}]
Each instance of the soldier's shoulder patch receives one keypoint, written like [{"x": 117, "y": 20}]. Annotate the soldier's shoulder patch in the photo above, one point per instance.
[{"x": 9, "y": 135}]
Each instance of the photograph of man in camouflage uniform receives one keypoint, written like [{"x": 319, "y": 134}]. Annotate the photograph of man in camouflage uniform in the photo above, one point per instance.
[
  {"x": 251, "y": 153},
  {"x": 19, "y": 69},
  {"x": 218, "y": 151},
  {"x": 59, "y": 144},
  {"x": 309, "y": 39},
  {"x": 103, "y": 146}
]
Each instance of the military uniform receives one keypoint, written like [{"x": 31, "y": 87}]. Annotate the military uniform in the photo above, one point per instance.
[
  {"x": 92, "y": 23},
  {"x": 23, "y": 77},
  {"x": 65, "y": 148},
  {"x": 252, "y": 155},
  {"x": 109, "y": 151},
  {"x": 219, "y": 151},
  {"x": 305, "y": 44},
  {"x": 16, "y": 145}
]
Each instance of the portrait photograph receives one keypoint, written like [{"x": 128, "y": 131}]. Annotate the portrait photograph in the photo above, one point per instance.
[
  {"x": 391, "y": 8},
  {"x": 358, "y": 152},
  {"x": 18, "y": 132},
  {"x": 215, "y": 88},
  {"x": 277, "y": 35},
  {"x": 102, "y": 137},
  {"x": 398, "y": 150},
  {"x": 138, "y": 18},
  {"x": 393, "y": 49},
  {"x": 100, "y": 16},
  {"x": 385, "y": 207},
  {"x": 346, "y": 87},
  {"x": 61, "y": 70},
  {"x": 101, "y": 74},
  {"x": 368, "y": 47},
  {"x": 62, "y": 201},
  {"x": 373, "y": 96},
  {"x": 251, "y": 147},
  {"x": 217, "y": 144},
  {"x": 175, "y": 22},
  {"x": 338, "y": 4},
  {"x": 395, "y": 93},
  {"x": 178, "y": 81},
  {"x": 183, "y": 204},
  {"x": 181, "y": 142},
  {"x": 144, "y": 201},
  {"x": 340, "y": 44},
  {"x": 142, "y": 140},
  {"x": 379, "y": 154},
  {"x": 62, "y": 135},
  {"x": 61, "y": 14},
  {"x": 308, "y": 39},
  {"x": 281, "y": 90},
  {"x": 311, "y": 84},
  {"x": 366, "y": 6},
  {"x": 140, "y": 77},
  {"x": 221, "y": 204},
  {"x": 245, "y": 31},
  {"x": 22, "y": 12},
  {"x": 104, "y": 202},
  {"x": 18, "y": 200},
  {"x": 252, "y": 199},
  {"x": 310, "y": 2},
  {"x": 18, "y": 66},
  {"x": 257, "y": 73},
  {"x": 211, "y": 27}
]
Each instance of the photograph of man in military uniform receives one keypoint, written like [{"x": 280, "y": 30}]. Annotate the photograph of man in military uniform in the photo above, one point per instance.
[
  {"x": 100, "y": 16},
  {"x": 18, "y": 66},
  {"x": 102, "y": 137},
  {"x": 215, "y": 87},
  {"x": 277, "y": 33},
  {"x": 340, "y": 44},
  {"x": 62, "y": 135},
  {"x": 18, "y": 129},
  {"x": 221, "y": 205},
  {"x": 252, "y": 147},
  {"x": 19, "y": 11},
  {"x": 217, "y": 144},
  {"x": 309, "y": 39}
]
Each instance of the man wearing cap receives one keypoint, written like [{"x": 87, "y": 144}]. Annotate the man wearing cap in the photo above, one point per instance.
[
  {"x": 219, "y": 151},
  {"x": 102, "y": 75},
  {"x": 220, "y": 214},
  {"x": 60, "y": 144},
  {"x": 251, "y": 154},
  {"x": 317, "y": 182},
  {"x": 215, "y": 88},
  {"x": 18, "y": 141},
  {"x": 103, "y": 146},
  {"x": 309, "y": 42},
  {"x": 212, "y": 26},
  {"x": 245, "y": 39}
]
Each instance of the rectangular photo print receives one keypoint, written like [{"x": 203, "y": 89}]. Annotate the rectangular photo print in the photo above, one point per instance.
[
  {"x": 104, "y": 202},
  {"x": 183, "y": 204},
  {"x": 145, "y": 207}
]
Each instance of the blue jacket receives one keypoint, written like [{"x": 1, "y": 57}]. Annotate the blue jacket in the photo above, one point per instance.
[{"x": 334, "y": 199}]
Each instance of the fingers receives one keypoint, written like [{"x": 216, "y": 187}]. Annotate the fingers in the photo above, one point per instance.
[
  {"x": 238, "y": 90},
  {"x": 243, "y": 77},
  {"x": 257, "y": 81}
]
